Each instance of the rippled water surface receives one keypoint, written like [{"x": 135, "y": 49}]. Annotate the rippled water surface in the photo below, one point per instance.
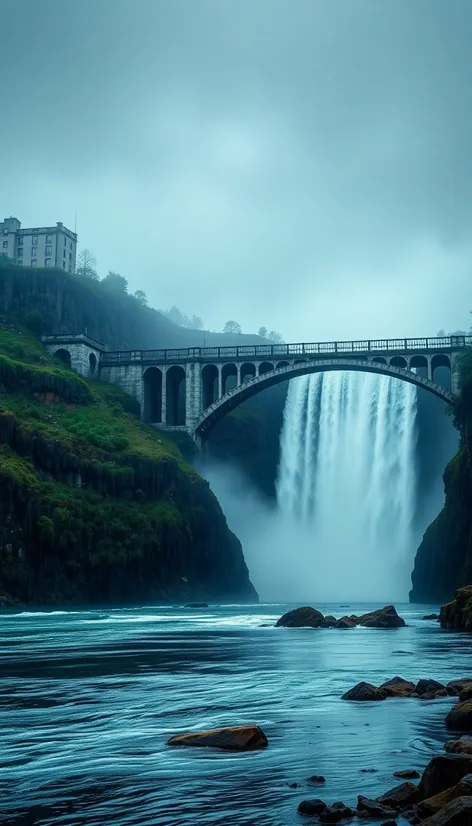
[{"x": 89, "y": 698}]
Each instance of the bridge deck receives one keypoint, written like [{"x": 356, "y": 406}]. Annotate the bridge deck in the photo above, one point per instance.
[{"x": 329, "y": 349}]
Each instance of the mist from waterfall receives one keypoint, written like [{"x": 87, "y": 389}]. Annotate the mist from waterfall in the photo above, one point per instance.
[{"x": 346, "y": 485}]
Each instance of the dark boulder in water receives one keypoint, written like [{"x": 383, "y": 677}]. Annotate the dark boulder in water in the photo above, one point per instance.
[
  {"x": 363, "y": 692},
  {"x": 398, "y": 687},
  {"x": 430, "y": 689},
  {"x": 460, "y": 717},
  {"x": 386, "y": 617},
  {"x": 305, "y": 617},
  {"x": 407, "y": 774},
  {"x": 311, "y": 807},
  {"x": 373, "y": 808},
  {"x": 442, "y": 772},
  {"x": 401, "y": 796},
  {"x": 233, "y": 738}
]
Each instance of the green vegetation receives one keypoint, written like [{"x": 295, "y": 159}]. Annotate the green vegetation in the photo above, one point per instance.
[{"x": 94, "y": 505}]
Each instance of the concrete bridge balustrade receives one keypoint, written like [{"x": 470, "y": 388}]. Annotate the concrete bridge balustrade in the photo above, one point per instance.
[{"x": 193, "y": 388}]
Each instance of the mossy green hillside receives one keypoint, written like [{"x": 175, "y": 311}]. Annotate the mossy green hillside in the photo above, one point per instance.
[{"x": 94, "y": 505}]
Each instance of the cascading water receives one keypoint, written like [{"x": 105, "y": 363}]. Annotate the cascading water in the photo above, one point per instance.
[{"x": 346, "y": 487}]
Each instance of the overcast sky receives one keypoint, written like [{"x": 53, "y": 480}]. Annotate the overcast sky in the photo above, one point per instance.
[{"x": 302, "y": 164}]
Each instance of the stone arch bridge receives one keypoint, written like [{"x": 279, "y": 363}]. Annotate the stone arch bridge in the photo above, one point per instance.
[{"x": 191, "y": 389}]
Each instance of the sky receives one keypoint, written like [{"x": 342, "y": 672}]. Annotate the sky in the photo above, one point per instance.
[{"x": 305, "y": 165}]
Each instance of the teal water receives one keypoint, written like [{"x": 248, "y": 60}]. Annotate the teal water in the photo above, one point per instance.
[{"x": 88, "y": 700}]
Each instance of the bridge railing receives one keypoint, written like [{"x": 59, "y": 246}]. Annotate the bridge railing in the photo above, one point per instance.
[{"x": 281, "y": 351}]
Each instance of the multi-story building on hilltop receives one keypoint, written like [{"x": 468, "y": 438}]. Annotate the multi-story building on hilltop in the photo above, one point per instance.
[{"x": 39, "y": 246}]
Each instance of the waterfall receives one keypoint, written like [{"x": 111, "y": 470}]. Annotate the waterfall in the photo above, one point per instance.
[{"x": 346, "y": 486}]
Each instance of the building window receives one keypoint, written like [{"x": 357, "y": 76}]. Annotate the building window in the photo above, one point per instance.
[
  {"x": 34, "y": 240},
  {"x": 20, "y": 253},
  {"x": 5, "y": 244},
  {"x": 64, "y": 253},
  {"x": 20, "y": 241},
  {"x": 48, "y": 250},
  {"x": 34, "y": 252},
  {"x": 70, "y": 256},
  {"x": 70, "y": 267},
  {"x": 34, "y": 262},
  {"x": 48, "y": 262},
  {"x": 19, "y": 261},
  {"x": 48, "y": 239}
]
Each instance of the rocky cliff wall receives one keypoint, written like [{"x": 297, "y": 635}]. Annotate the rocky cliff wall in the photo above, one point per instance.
[{"x": 444, "y": 559}]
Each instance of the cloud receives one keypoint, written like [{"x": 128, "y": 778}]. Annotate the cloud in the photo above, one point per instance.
[{"x": 301, "y": 165}]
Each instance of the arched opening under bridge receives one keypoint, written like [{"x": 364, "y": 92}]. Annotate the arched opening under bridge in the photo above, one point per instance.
[
  {"x": 175, "y": 396},
  {"x": 152, "y": 381},
  {"x": 64, "y": 356},
  {"x": 209, "y": 384}
]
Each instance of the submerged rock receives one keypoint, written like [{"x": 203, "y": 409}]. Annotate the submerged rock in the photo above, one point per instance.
[
  {"x": 233, "y": 738},
  {"x": 407, "y": 774},
  {"x": 398, "y": 687},
  {"x": 460, "y": 717},
  {"x": 305, "y": 617},
  {"x": 431, "y": 617},
  {"x": 363, "y": 692},
  {"x": 317, "y": 778},
  {"x": 466, "y": 693}
]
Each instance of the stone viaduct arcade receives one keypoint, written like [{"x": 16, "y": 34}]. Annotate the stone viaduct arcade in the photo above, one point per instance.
[{"x": 191, "y": 389}]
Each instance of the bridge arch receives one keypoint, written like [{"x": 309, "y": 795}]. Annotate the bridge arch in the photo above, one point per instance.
[{"x": 239, "y": 394}]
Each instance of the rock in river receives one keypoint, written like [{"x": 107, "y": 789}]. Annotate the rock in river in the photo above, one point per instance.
[
  {"x": 461, "y": 746},
  {"x": 401, "y": 796},
  {"x": 364, "y": 692},
  {"x": 305, "y": 617},
  {"x": 398, "y": 687},
  {"x": 460, "y": 717},
  {"x": 233, "y": 738},
  {"x": 407, "y": 774},
  {"x": 456, "y": 813},
  {"x": 372, "y": 808},
  {"x": 386, "y": 617},
  {"x": 443, "y": 772},
  {"x": 311, "y": 807}
]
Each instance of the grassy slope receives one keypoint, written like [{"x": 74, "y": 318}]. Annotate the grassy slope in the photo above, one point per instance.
[{"x": 94, "y": 504}]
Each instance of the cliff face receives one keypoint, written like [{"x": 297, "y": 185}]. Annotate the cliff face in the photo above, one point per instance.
[
  {"x": 69, "y": 304},
  {"x": 444, "y": 559},
  {"x": 96, "y": 507}
]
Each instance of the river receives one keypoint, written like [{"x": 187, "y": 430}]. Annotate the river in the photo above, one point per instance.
[{"x": 89, "y": 698}]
